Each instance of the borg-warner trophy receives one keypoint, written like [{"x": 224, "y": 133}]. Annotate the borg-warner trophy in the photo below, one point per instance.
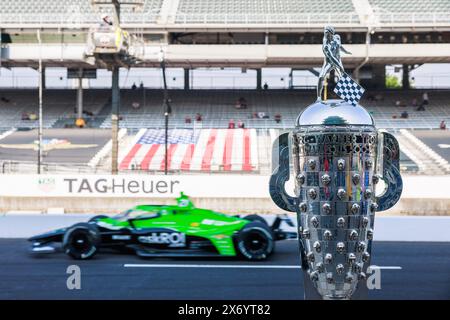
[{"x": 338, "y": 157}]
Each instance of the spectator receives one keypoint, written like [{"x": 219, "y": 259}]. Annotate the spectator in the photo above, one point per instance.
[
  {"x": 400, "y": 103},
  {"x": 277, "y": 118},
  {"x": 231, "y": 124},
  {"x": 141, "y": 85},
  {"x": 241, "y": 103},
  {"x": 379, "y": 97},
  {"x": 424, "y": 103},
  {"x": 187, "y": 120},
  {"x": 198, "y": 117},
  {"x": 265, "y": 86},
  {"x": 136, "y": 105},
  {"x": 134, "y": 87},
  {"x": 425, "y": 98},
  {"x": 414, "y": 102},
  {"x": 404, "y": 115},
  {"x": 241, "y": 124},
  {"x": 80, "y": 123},
  {"x": 443, "y": 126},
  {"x": 25, "y": 116}
]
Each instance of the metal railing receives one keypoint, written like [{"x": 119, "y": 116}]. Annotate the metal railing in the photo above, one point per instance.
[
  {"x": 87, "y": 19},
  {"x": 78, "y": 20},
  {"x": 281, "y": 18},
  {"x": 28, "y": 167},
  {"x": 81, "y": 20},
  {"x": 413, "y": 18}
]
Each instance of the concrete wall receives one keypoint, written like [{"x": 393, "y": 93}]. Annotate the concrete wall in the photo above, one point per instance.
[
  {"x": 406, "y": 206},
  {"x": 422, "y": 195}
]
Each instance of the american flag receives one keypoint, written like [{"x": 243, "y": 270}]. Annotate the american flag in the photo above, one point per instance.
[
  {"x": 193, "y": 150},
  {"x": 175, "y": 136}
]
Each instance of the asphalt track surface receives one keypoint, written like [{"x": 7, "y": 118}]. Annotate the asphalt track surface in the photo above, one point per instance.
[
  {"x": 424, "y": 274},
  {"x": 438, "y": 140}
]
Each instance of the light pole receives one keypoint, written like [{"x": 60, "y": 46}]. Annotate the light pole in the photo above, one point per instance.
[
  {"x": 115, "y": 110},
  {"x": 39, "y": 160},
  {"x": 168, "y": 109}
]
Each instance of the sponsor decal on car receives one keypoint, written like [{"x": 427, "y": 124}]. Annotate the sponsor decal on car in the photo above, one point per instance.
[
  {"x": 172, "y": 239},
  {"x": 121, "y": 237},
  {"x": 211, "y": 222}
]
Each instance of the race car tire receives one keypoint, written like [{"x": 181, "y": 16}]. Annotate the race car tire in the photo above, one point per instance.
[
  {"x": 81, "y": 241},
  {"x": 255, "y": 241},
  {"x": 96, "y": 218},
  {"x": 255, "y": 217}
]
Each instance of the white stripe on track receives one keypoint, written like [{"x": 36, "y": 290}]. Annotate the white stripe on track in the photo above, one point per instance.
[
  {"x": 236, "y": 266},
  {"x": 7, "y": 133},
  {"x": 231, "y": 266},
  {"x": 386, "y": 267}
]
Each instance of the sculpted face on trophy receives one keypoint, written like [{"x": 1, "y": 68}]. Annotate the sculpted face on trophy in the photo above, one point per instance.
[{"x": 338, "y": 158}]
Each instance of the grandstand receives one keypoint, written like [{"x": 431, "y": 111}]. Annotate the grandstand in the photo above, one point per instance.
[
  {"x": 209, "y": 145},
  {"x": 204, "y": 11},
  {"x": 70, "y": 12},
  {"x": 401, "y": 10},
  {"x": 17, "y": 105},
  {"x": 167, "y": 13},
  {"x": 217, "y": 108}
]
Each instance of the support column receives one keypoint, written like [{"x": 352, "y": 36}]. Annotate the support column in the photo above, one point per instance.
[
  {"x": 115, "y": 107},
  {"x": 405, "y": 79},
  {"x": 186, "y": 79},
  {"x": 291, "y": 79},
  {"x": 43, "y": 77},
  {"x": 80, "y": 97},
  {"x": 258, "y": 79},
  {"x": 378, "y": 76}
]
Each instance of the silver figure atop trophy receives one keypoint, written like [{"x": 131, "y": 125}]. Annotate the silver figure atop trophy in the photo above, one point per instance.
[
  {"x": 338, "y": 157},
  {"x": 331, "y": 48}
]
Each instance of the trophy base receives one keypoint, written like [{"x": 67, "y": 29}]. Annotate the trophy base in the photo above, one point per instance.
[{"x": 311, "y": 293}]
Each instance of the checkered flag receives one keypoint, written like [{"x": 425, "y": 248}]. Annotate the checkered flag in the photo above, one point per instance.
[{"x": 349, "y": 90}]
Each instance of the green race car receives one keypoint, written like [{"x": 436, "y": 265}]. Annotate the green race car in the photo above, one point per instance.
[{"x": 180, "y": 230}]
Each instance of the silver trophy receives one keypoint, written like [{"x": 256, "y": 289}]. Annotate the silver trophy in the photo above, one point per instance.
[{"x": 338, "y": 157}]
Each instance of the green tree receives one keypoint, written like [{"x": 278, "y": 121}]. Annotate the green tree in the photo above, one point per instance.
[{"x": 392, "y": 82}]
